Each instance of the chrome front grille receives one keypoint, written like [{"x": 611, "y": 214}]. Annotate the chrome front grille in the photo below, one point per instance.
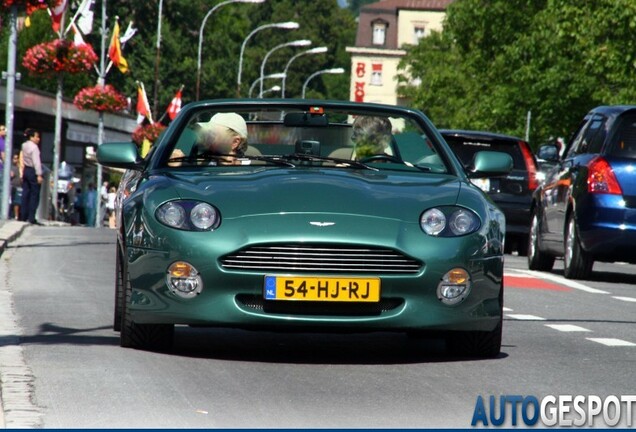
[{"x": 321, "y": 258}]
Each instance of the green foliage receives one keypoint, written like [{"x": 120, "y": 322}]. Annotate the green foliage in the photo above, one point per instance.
[
  {"x": 323, "y": 22},
  {"x": 497, "y": 60}
]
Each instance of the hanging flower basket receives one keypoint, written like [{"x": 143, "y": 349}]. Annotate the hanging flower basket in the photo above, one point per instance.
[
  {"x": 30, "y": 5},
  {"x": 149, "y": 131},
  {"x": 59, "y": 56},
  {"x": 100, "y": 98}
]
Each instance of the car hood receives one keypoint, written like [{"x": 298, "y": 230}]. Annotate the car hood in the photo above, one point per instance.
[{"x": 388, "y": 194}]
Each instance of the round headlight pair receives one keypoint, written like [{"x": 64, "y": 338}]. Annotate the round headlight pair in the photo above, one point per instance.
[
  {"x": 188, "y": 215},
  {"x": 449, "y": 222}
]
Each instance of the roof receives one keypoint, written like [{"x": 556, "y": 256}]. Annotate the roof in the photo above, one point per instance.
[
  {"x": 409, "y": 4},
  {"x": 387, "y": 11}
]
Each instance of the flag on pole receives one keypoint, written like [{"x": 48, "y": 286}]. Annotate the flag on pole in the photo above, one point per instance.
[
  {"x": 114, "y": 50},
  {"x": 85, "y": 20},
  {"x": 56, "y": 14},
  {"x": 130, "y": 32},
  {"x": 175, "y": 105},
  {"x": 143, "y": 107},
  {"x": 77, "y": 36}
]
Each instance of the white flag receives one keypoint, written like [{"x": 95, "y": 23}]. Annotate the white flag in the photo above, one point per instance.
[
  {"x": 130, "y": 32},
  {"x": 85, "y": 20}
]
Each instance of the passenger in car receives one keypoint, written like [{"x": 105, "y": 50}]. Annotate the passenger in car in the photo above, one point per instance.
[
  {"x": 371, "y": 136},
  {"x": 226, "y": 135}
]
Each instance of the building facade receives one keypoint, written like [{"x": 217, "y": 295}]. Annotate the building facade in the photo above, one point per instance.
[{"x": 384, "y": 28}]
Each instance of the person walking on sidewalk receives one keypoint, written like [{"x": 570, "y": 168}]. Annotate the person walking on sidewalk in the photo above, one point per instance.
[{"x": 31, "y": 176}]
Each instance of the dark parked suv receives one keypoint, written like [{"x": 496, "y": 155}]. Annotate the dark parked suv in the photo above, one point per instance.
[
  {"x": 586, "y": 209},
  {"x": 512, "y": 193}
]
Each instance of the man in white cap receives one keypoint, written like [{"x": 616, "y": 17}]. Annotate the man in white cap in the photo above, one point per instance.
[{"x": 226, "y": 135}]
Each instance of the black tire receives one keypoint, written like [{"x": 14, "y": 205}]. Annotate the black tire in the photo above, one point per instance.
[
  {"x": 480, "y": 344},
  {"x": 577, "y": 264},
  {"x": 156, "y": 337},
  {"x": 119, "y": 289},
  {"x": 537, "y": 260}
]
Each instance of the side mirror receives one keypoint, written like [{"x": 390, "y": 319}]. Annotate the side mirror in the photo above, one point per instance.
[
  {"x": 548, "y": 152},
  {"x": 119, "y": 155},
  {"x": 490, "y": 164}
]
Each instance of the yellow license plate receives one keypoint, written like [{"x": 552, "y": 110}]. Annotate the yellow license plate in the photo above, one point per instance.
[{"x": 320, "y": 288}]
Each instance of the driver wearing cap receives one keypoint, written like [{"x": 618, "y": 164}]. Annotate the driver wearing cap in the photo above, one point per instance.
[{"x": 224, "y": 135}]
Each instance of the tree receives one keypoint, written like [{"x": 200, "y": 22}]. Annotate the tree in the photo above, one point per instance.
[{"x": 497, "y": 60}]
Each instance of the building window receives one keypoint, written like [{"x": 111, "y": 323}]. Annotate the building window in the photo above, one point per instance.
[
  {"x": 379, "y": 33},
  {"x": 376, "y": 74},
  {"x": 418, "y": 33}
]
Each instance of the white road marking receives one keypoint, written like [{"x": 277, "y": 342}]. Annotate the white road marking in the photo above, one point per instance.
[
  {"x": 627, "y": 299},
  {"x": 506, "y": 309},
  {"x": 563, "y": 281},
  {"x": 524, "y": 317},
  {"x": 567, "y": 328},
  {"x": 612, "y": 342}
]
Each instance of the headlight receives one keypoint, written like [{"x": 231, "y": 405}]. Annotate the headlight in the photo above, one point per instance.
[
  {"x": 449, "y": 221},
  {"x": 203, "y": 216},
  {"x": 188, "y": 215}
]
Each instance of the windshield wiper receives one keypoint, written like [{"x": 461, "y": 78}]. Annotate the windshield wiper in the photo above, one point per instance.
[{"x": 339, "y": 161}]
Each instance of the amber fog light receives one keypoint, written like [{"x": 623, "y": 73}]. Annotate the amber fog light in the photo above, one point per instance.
[
  {"x": 184, "y": 280},
  {"x": 454, "y": 287}
]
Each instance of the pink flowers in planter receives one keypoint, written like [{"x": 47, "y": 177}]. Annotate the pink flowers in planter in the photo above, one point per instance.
[
  {"x": 149, "y": 131},
  {"x": 59, "y": 56},
  {"x": 100, "y": 98}
]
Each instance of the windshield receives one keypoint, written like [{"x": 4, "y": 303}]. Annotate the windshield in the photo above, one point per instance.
[{"x": 334, "y": 138}]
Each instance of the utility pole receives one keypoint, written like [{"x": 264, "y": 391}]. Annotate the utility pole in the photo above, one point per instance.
[
  {"x": 9, "y": 108},
  {"x": 100, "y": 123}
]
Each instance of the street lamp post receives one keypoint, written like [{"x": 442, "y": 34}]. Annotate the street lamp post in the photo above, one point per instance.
[
  {"x": 315, "y": 74},
  {"x": 317, "y": 50},
  {"x": 290, "y": 25},
  {"x": 260, "y": 79},
  {"x": 205, "y": 18},
  {"x": 296, "y": 43},
  {"x": 271, "y": 89}
]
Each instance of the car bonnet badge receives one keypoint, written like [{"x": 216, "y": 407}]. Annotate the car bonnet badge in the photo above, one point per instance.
[{"x": 322, "y": 224}]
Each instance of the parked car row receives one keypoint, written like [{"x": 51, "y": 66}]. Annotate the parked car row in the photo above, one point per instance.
[{"x": 577, "y": 203}]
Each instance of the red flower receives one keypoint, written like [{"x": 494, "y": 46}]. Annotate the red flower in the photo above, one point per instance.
[
  {"x": 149, "y": 131},
  {"x": 100, "y": 98},
  {"x": 31, "y": 5},
  {"x": 59, "y": 56}
]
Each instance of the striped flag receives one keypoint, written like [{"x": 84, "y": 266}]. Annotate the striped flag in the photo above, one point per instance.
[
  {"x": 143, "y": 107},
  {"x": 114, "y": 50},
  {"x": 57, "y": 12}
]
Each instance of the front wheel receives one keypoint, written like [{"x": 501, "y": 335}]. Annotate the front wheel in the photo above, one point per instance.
[
  {"x": 158, "y": 337},
  {"x": 537, "y": 260},
  {"x": 577, "y": 264},
  {"x": 481, "y": 344}
]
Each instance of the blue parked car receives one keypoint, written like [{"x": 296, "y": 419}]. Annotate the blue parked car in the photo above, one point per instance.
[{"x": 585, "y": 211}]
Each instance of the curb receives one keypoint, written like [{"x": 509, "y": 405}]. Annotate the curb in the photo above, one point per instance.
[{"x": 9, "y": 231}]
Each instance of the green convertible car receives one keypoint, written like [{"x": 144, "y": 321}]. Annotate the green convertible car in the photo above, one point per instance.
[{"x": 307, "y": 215}]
